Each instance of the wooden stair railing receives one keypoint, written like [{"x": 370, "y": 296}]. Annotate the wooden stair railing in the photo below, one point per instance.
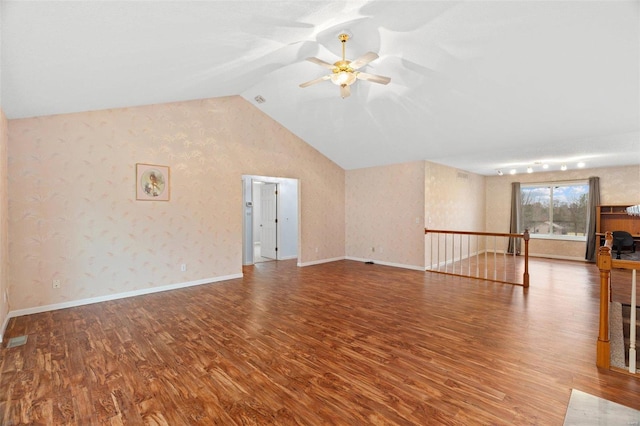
[
  {"x": 465, "y": 251},
  {"x": 605, "y": 263}
]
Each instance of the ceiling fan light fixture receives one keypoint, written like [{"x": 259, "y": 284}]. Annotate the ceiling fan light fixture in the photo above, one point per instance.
[
  {"x": 343, "y": 77},
  {"x": 344, "y": 72}
]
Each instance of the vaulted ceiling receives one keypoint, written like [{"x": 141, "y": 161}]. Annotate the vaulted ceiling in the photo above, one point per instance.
[{"x": 477, "y": 85}]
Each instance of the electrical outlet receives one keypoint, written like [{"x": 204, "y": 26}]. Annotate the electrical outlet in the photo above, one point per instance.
[
  {"x": 183, "y": 267},
  {"x": 373, "y": 249},
  {"x": 56, "y": 283}
]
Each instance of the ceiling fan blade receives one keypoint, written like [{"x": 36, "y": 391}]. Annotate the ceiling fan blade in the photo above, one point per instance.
[
  {"x": 373, "y": 78},
  {"x": 317, "y": 80},
  {"x": 363, "y": 60},
  {"x": 321, "y": 63},
  {"x": 345, "y": 91}
]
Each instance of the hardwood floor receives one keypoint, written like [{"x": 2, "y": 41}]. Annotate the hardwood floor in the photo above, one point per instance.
[{"x": 338, "y": 343}]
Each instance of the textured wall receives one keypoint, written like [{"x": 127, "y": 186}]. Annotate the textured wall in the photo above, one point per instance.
[
  {"x": 618, "y": 185},
  {"x": 73, "y": 214},
  {"x": 382, "y": 206},
  {"x": 454, "y": 200},
  {"x": 4, "y": 228}
]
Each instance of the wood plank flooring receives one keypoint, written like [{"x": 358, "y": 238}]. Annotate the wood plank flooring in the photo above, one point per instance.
[{"x": 340, "y": 343}]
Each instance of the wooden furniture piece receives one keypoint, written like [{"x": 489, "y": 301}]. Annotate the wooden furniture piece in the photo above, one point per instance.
[{"x": 610, "y": 218}]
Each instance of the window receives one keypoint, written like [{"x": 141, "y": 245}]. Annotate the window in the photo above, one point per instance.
[{"x": 555, "y": 210}]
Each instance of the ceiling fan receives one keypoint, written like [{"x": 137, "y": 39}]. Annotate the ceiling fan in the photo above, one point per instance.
[{"x": 343, "y": 72}]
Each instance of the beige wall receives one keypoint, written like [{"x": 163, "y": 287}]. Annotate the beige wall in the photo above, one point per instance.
[
  {"x": 384, "y": 209},
  {"x": 73, "y": 214},
  {"x": 618, "y": 185},
  {"x": 454, "y": 200},
  {"x": 4, "y": 228}
]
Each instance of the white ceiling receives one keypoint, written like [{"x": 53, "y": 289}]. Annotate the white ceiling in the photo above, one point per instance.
[{"x": 476, "y": 85}]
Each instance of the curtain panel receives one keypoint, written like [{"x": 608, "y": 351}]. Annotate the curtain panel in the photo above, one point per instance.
[
  {"x": 515, "y": 225},
  {"x": 594, "y": 201}
]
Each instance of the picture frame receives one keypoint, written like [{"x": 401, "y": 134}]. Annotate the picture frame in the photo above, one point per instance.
[{"x": 152, "y": 182}]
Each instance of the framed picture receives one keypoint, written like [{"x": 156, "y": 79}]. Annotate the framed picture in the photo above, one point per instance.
[{"x": 152, "y": 182}]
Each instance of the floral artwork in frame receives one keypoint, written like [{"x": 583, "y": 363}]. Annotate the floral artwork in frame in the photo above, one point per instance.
[{"x": 152, "y": 182}]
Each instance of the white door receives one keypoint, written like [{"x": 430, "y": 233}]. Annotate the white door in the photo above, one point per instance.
[{"x": 269, "y": 209}]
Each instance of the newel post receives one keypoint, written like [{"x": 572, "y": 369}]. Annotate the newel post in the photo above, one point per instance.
[
  {"x": 603, "y": 357},
  {"x": 525, "y": 277}
]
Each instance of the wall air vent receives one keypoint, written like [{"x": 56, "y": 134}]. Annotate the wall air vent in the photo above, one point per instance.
[{"x": 16, "y": 341}]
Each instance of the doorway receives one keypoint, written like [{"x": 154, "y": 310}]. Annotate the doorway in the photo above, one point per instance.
[{"x": 270, "y": 219}]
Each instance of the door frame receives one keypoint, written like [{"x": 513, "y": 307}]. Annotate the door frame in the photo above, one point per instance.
[{"x": 291, "y": 246}]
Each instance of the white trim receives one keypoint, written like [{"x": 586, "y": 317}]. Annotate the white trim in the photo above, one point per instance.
[
  {"x": 578, "y": 238},
  {"x": 295, "y": 256},
  {"x": 395, "y": 265},
  {"x": 80, "y": 302},
  {"x": 458, "y": 259},
  {"x": 502, "y": 252},
  {"x": 320, "y": 261},
  {"x": 556, "y": 256},
  {"x": 4, "y": 326}
]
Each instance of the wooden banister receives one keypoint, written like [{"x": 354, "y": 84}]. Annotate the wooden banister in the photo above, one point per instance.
[
  {"x": 603, "y": 351},
  {"x": 605, "y": 264},
  {"x": 525, "y": 276},
  {"x": 525, "y": 236}
]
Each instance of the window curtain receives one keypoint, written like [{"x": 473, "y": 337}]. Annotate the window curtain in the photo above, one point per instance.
[
  {"x": 594, "y": 200},
  {"x": 516, "y": 218}
]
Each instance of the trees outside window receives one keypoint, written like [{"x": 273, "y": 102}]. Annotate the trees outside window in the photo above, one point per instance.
[{"x": 555, "y": 208}]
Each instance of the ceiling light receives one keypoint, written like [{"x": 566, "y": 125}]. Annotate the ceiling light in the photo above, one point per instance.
[
  {"x": 545, "y": 166},
  {"x": 344, "y": 73},
  {"x": 512, "y": 171},
  {"x": 563, "y": 167},
  {"x": 529, "y": 169},
  {"x": 581, "y": 164},
  {"x": 343, "y": 77},
  {"x": 500, "y": 173}
]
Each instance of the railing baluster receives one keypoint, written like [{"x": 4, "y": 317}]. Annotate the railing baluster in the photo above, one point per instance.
[
  {"x": 469, "y": 253},
  {"x": 445, "y": 253},
  {"x": 486, "y": 264},
  {"x": 438, "y": 252},
  {"x": 431, "y": 251},
  {"x": 495, "y": 259},
  {"x": 504, "y": 262},
  {"x": 478, "y": 256},
  {"x": 460, "y": 260},
  {"x": 453, "y": 253},
  {"x": 632, "y": 325}
]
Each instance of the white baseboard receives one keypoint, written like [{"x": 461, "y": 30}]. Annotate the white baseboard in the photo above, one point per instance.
[
  {"x": 80, "y": 302},
  {"x": 381, "y": 262},
  {"x": 4, "y": 327},
  {"x": 555, "y": 256},
  {"x": 444, "y": 263},
  {"x": 295, "y": 256},
  {"x": 318, "y": 262}
]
